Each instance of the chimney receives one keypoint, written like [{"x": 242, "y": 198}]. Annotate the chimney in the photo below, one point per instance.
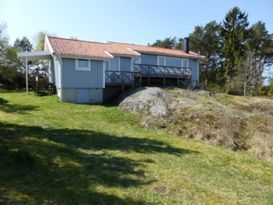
[{"x": 186, "y": 45}]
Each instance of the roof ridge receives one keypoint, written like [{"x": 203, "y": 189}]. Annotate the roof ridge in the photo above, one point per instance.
[
  {"x": 133, "y": 44},
  {"x": 168, "y": 49},
  {"x": 71, "y": 39}
]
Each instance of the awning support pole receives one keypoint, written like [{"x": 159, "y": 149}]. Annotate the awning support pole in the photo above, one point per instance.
[{"x": 26, "y": 76}]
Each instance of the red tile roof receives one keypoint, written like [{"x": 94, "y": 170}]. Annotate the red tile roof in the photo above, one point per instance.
[{"x": 71, "y": 47}]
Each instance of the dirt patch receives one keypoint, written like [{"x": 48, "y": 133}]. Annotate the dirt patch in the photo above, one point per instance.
[{"x": 160, "y": 189}]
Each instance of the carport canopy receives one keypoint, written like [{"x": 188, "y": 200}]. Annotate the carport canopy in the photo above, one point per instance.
[{"x": 33, "y": 56}]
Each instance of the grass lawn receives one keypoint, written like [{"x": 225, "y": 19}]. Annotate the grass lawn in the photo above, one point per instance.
[{"x": 62, "y": 153}]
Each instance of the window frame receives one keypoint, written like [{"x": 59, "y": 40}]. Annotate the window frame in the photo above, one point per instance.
[
  {"x": 170, "y": 58},
  {"x": 182, "y": 62},
  {"x": 88, "y": 68},
  {"x": 158, "y": 60}
]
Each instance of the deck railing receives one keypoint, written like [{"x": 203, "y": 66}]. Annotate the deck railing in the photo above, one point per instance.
[
  {"x": 162, "y": 71},
  {"x": 116, "y": 77},
  {"x": 120, "y": 77}
]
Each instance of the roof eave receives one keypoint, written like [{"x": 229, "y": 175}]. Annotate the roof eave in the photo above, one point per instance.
[
  {"x": 35, "y": 55},
  {"x": 123, "y": 55},
  {"x": 84, "y": 57},
  {"x": 172, "y": 55}
]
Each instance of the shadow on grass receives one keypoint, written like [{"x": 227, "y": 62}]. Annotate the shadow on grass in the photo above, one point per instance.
[
  {"x": 14, "y": 108},
  {"x": 65, "y": 166}
]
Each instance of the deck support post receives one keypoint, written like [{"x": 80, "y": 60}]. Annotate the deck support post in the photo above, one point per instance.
[
  {"x": 177, "y": 82},
  {"x": 140, "y": 80},
  {"x": 149, "y": 81},
  {"x": 164, "y": 81}
]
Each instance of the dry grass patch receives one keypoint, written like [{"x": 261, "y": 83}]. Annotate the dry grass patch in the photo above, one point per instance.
[{"x": 235, "y": 122}]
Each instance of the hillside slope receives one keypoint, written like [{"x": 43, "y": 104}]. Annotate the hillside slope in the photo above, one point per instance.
[
  {"x": 62, "y": 153},
  {"x": 236, "y": 122}
]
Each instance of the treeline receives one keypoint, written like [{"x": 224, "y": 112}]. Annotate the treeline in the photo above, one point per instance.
[
  {"x": 12, "y": 70},
  {"x": 236, "y": 54}
]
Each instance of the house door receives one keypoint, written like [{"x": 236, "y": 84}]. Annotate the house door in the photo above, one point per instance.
[{"x": 83, "y": 96}]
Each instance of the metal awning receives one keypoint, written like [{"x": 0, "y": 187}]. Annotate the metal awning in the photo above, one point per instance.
[
  {"x": 35, "y": 55},
  {"x": 32, "y": 56}
]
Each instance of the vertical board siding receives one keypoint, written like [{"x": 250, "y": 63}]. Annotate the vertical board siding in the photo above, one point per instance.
[
  {"x": 72, "y": 78},
  {"x": 96, "y": 74},
  {"x": 125, "y": 64},
  {"x": 149, "y": 59},
  {"x": 193, "y": 64}
]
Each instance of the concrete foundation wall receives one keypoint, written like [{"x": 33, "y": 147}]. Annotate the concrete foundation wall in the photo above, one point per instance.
[{"x": 82, "y": 95}]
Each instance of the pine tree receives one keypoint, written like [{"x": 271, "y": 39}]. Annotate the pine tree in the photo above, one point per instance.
[
  {"x": 206, "y": 41},
  {"x": 235, "y": 34},
  {"x": 166, "y": 43},
  {"x": 23, "y": 44}
]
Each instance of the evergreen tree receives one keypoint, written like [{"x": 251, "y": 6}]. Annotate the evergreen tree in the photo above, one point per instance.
[
  {"x": 166, "y": 43},
  {"x": 235, "y": 34},
  {"x": 180, "y": 44},
  {"x": 206, "y": 41},
  {"x": 196, "y": 40},
  {"x": 23, "y": 44}
]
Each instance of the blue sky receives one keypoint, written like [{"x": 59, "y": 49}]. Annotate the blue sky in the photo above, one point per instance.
[{"x": 136, "y": 21}]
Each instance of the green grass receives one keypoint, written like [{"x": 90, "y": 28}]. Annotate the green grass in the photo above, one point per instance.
[{"x": 62, "y": 153}]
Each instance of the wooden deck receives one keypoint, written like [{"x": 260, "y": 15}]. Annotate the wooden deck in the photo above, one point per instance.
[
  {"x": 162, "y": 71},
  {"x": 145, "y": 74}
]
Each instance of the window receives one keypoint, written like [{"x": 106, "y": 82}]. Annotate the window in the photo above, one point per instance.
[
  {"x": 113, "y": 64},
  {"x": 185, "y": 63},
  {"x": 161, "y": 60},
  {"x": 171, "y": 61},
  {"x": 82, "y": 64},
  {"x": 137, "y": 60}
]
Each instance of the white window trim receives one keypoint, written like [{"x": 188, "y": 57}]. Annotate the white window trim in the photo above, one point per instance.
[
  {"x": 188, "y": 62},
  {"x": 82, "y": 68},
  {"x": 182, "y": 62},
  {"x": 164, "y": 60}
]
